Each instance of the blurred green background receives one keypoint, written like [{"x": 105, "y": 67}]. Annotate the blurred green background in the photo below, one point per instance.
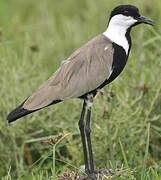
[{"x": 35, "y": 36}]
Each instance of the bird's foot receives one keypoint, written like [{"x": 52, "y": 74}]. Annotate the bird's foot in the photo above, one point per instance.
[
  {"x": 92, "y": 176},
  {"x": 99, "y": 174}
]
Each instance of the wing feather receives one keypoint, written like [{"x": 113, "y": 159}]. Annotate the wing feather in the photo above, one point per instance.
[{"x": 86, "y": 69}]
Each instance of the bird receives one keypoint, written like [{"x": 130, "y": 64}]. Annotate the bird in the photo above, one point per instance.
[{"x": 82, "y": 75}]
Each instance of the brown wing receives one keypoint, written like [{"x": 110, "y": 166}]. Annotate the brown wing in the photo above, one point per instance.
[{"x": 85, "y": 70}]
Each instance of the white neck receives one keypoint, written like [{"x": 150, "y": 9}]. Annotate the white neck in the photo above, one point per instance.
[
  {"x": 117, "y": 35},
  {"x": 117, "y": 29}
]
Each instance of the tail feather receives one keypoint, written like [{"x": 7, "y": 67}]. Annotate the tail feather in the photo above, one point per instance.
[{"x": 20, "y": 111}]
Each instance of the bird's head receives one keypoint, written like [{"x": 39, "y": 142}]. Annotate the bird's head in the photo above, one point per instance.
[{"x": 127, "y": 16}]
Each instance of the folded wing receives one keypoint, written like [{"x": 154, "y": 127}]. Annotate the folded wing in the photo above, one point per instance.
[{"x": 85, "y": 70}]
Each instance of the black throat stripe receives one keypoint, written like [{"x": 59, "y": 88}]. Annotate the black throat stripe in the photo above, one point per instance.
[{"x": 119, "y": 61}]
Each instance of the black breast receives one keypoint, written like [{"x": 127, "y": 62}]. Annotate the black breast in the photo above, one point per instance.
[{"x": 119, "y": 62}]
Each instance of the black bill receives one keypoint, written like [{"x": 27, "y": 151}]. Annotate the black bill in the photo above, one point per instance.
[{"x": 143, "y": 19}]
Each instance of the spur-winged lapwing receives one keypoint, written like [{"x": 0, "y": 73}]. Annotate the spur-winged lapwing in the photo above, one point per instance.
[{"x": 87, "y": 70}]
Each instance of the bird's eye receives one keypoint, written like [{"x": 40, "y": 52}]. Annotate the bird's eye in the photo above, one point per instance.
[{"x": 125, "y": 13}]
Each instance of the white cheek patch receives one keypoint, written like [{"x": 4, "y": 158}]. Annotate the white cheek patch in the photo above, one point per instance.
[
  {"x": 121, "y": 20},
  {"x": 117, "y": 29},
  {"x": 130, "y": 21}
]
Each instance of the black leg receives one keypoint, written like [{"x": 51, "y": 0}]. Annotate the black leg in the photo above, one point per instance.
[
  {"x": 88, "y": 135},
  {"x": 90, "y": 171},
  {"x": 83, "y": 136},
  {"x": 85, "y": 131}
]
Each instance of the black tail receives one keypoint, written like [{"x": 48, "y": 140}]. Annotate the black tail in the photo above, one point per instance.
[{"x": 20, "y": 112}]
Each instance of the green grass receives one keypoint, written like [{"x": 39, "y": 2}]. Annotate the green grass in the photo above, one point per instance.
[{"x": 35, "y": 36}]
